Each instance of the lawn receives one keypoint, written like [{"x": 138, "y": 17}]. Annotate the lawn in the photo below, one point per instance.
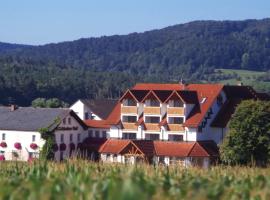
[
  {"x": 85, "y": 180},
  {"x": 246, "y": 77}
]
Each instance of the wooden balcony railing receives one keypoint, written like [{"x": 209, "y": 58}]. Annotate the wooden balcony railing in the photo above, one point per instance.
[
  {"x": 152, "y": 110},
  {"x": 175, "y": 111},
  {"x": 176, "y": 127},
  {"x": 129, "y": 126},
  {"x": 152, "y": 127},
  {"x": 129, "y": 109}
]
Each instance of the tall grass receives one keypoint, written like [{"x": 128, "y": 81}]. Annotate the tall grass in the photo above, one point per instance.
[{"x": 77, "y": 179}]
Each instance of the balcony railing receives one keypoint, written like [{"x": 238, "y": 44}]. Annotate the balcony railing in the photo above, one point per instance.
[
  {"x": 129, "y": 109},
  {"x": 152, "y": 127},
  {"x": 175, "y": 111},
  {"x": 152, "y": 110},
  {"x": 176, "y": 127},
  {"x": 129, "y": 126}
]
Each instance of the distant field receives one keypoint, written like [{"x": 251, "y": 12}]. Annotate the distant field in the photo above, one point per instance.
[
  {"x": 246, "y": 77},
  {"x": 85, "y": 180}
]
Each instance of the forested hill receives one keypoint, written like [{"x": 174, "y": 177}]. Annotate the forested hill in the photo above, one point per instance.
[
  {"x": 192, "y": 51},
  {"x": 8, "y": 47}
]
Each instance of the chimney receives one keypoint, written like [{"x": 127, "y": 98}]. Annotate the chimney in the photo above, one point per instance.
[{"x": 13, "y": 107}]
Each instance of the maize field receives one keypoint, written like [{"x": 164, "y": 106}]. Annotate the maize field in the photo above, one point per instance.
[{"x": 78, "y": 179}]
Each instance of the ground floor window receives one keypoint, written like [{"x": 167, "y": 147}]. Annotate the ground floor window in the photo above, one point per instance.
[
  {"x": 151, "y": 136},
  {"x": 131, "y": 136},
  {"x": 175, "y": 137}
]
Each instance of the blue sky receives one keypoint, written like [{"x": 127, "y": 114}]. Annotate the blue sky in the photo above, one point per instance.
[{"x": 40, "y": 22}]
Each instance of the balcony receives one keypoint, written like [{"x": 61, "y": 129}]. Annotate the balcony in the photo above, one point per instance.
[
  {"x": 176, "y": 127},
  {"x": 129, "y": 126},
  {"x": 175, "y": 111},
  {"x": 129, "y": 109},
  {"x": 152, "y": 110},
  {"x": 152, "y": 127}
]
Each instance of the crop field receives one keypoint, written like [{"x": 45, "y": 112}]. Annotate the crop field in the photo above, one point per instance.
[{"x": 86, "y": 180}]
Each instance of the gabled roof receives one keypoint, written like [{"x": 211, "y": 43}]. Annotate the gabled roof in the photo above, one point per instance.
[
  {"x": 101, "y": 107},
  {"x": 162, "y": 148},
  {"x": 128, "y": 94},
  {"x": 113, "y": 146},
  {"x": 174, "y": 95},
  {"x": 32, "y": 119},
  {"x": 151, "y": 94}
]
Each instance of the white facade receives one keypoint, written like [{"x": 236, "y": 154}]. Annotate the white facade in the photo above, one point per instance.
[
  {"x": 83, "y": 111},
  {"x": 69, "y": 131}
]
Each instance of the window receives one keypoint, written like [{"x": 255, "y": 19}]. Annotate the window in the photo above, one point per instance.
[
  {"x": 129, "y": 136},
  {"x": 90, "y": 133},
  {"x": 129, "y": 102},
  {"x": 152, "y": 119},
  {"x": 33, "y": 138},
  {"x": 69, "y": 120},
  {"x": 64, "y": 121},
  {"x": 152, "y": 103},
  {"x": 175, "y": 137},
  {"x": 62, "y": 137},
  {"x": 86, "y": 115},
  {"x": 175, "y": 120},
  {"x": 176, "y": 103},
  {"x": 96, "y": 133},
  {"x": 152, "y": 136},
  {"x": 3, "y": 136},
  {"x": 129, "y": 119},
  {"x": 71, "y": 137},
  {"x": 79, "y": 137},
  {"x": 104, "y": 134}
]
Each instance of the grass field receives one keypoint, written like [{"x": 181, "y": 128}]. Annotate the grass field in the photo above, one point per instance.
[
  {"x": 246, "y": 77},
  {"x": 84, "y": 180}
]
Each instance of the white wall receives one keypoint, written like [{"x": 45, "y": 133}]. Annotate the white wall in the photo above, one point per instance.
[
  {"x": 83, "y": 134},
  {"x": 23, "y": 137},
  {"x": 80, "y": 109}
]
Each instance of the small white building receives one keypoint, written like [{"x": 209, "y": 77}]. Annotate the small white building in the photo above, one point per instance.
[
  {"x": 20, "y": 138},
  {"x": 98, "y": 109}
]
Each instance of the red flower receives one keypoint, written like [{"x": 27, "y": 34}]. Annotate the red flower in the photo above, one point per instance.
[
  {"x": 55, "y": 147},
  {"x": 63, "y": 147},
  {"x": 33, "y": 146},
  {"x": 3, "y": 144},
  {"x": 72, "y": 146},
  {"x": 2, "y": 158},
  {"x": 18, "y": 145}
]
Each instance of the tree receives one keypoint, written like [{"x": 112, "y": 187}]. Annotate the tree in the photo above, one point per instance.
[
  {"x": 248, "y": 139},
  {"x": 48, "y": 103},
  {"x": 39, "y": 102}
]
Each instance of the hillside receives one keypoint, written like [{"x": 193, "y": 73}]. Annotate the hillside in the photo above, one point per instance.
[{"x": 192, "y": 51}]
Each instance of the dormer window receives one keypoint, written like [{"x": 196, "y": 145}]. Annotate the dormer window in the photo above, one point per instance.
[
  {"x": 129, "y": 102},
  {"x": 152, "y": 103},
  {"x": 176, "y": 103}
]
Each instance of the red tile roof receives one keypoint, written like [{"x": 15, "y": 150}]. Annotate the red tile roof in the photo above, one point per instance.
[
  {"x": 113, "y": 146},
  {"x": 162, "y": 148},
  {"x": 209, "y": 92},
  {"x": 97, "y": 123}
]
